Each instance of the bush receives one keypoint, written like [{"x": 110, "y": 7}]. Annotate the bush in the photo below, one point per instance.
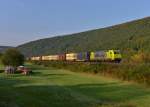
[
  {"x": 141, "y": 57},
  {"x": 131, "y": 72}
]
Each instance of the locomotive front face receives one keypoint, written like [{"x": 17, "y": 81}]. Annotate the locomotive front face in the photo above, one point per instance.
[
  {"x": 114, "y": 55},
  {"x": 117, "y": 55}
]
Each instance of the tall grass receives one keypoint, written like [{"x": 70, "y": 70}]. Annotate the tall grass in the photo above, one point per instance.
[{"x": 125, "y": 71}]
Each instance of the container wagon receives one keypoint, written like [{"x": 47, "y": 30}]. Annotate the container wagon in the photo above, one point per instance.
[
  {"x": 98, "y": 56},
  {"x": 50, "y": 58},
  {"x": 45, "y": 58},
  {"x": 71, "y": 57},
  {"x": 37, "y": 58},
  {"x": 54, "y": 57},
  {"x": 62, "y": 57},
  {"x": 83, "y": 56}
]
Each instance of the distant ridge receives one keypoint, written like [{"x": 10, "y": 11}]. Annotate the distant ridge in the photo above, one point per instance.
[
  {"x": 133, "y": 36},
  {"x": 3, "y": 48}
]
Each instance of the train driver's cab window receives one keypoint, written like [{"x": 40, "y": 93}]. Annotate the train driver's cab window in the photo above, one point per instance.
[{"x": 116, "y": 52}]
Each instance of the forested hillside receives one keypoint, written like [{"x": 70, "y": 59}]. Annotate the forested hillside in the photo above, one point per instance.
[{"x": 132, "y": 36}]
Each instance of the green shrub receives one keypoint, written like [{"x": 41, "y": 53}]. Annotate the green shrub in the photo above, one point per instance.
[{"x": 130, "y": 72}]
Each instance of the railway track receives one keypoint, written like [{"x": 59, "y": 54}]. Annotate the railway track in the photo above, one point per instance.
[{"x": 87, "y": 62}]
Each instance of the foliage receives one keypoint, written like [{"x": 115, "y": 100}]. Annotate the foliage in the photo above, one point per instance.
[
  {"x": 12, "y": 57},
  {"x": 129, "y": 37},
  {"x": 141, "y": 57}
]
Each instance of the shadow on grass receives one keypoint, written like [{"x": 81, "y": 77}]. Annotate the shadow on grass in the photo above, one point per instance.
[
  {"x": 81, "y": 95},
  {"x": 10, "y": 81},
  {"x": 40, "y": 67},
  {"x": 85, "y": 95},
  {"x": 47, "y": 74},
  {"x": 1, "y": 71},
  {"x": 111, "y": 92},
  {"x": 17, "y": 92}
]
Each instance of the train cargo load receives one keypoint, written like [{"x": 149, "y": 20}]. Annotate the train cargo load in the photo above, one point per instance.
[
  {"x": 83, "y": 56},
  {"x": 71, "y": 56}
]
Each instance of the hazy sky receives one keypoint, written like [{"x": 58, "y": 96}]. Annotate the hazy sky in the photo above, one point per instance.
[{"x": 25, "y": 20}]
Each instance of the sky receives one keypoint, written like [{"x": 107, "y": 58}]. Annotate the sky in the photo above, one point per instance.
[{"x": 22, "y": 21}]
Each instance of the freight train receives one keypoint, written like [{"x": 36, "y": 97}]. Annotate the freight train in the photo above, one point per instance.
[{"x": 101, "y": 56}]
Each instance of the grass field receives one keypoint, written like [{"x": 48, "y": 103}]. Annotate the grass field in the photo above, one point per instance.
[{"x": 49, "y": 87}]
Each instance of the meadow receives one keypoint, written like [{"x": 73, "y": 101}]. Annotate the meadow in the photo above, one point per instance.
[{"x": 51, "y": 87}]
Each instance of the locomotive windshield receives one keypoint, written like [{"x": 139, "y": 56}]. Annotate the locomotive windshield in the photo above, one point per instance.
[{"x": 116, "y": 52}]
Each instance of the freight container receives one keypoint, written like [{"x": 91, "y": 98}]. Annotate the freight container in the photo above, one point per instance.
[
  {"x": 45, "y": 58},
  {"x": 50, "y": 58},
  {"x": 71, "y": 56},
  {"x": 62, "y": 57},
  {"x": 83, "y": 56},
  {"x": 54, "y": 57},
  {"x": 36, "y": 58},
  {"x": 98, "y": 56}
]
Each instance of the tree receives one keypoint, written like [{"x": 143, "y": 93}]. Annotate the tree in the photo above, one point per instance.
[{"x": 12, "y": 57}]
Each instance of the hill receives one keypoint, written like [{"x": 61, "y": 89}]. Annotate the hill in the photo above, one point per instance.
[
  {"x": 130, "y": 36},
  {"x": 3, "y": 48}
]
